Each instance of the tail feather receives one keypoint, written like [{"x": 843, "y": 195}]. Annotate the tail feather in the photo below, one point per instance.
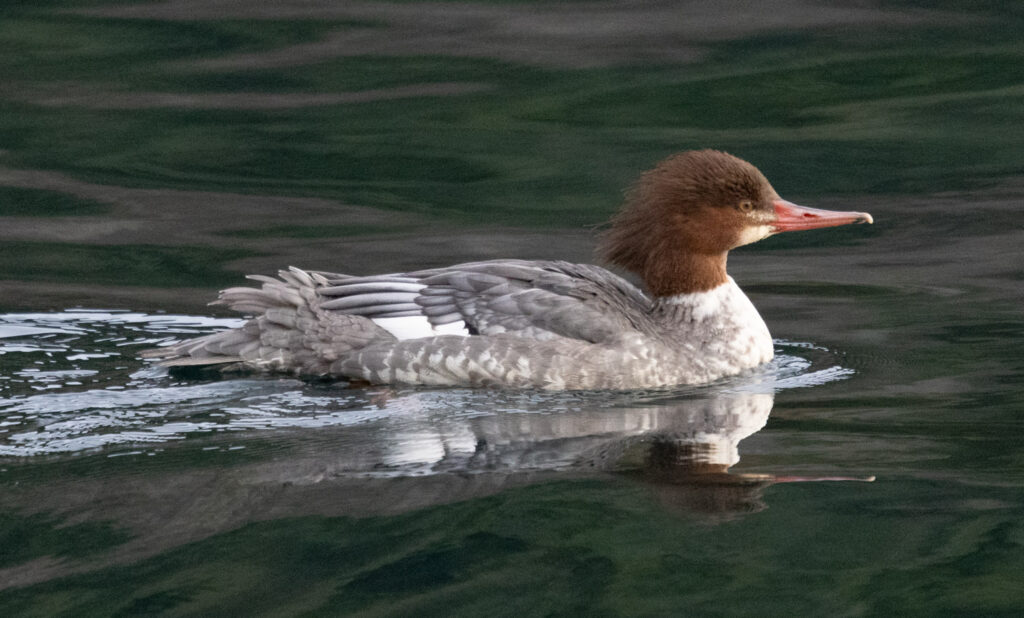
[{"x": 290, "y": 330}]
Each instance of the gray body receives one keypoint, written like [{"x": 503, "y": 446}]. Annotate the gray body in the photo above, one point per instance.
[{"x": 552, "y": 325}]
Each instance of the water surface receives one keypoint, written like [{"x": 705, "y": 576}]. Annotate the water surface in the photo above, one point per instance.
[{"x": 152, "y": 153}]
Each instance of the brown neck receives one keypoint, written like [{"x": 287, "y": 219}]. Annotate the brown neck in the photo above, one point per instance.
[{"x": 684, "y": 273}]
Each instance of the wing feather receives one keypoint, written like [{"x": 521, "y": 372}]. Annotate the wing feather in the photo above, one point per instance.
[
  {"x": 350, "y": 302},
  {"x": 538, "y": 300}
]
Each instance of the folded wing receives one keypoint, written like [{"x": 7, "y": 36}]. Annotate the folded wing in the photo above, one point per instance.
[{"x": 533, "y": 300}]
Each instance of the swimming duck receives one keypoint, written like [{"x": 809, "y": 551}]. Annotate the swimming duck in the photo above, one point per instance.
[{"x": 538, "y": 324}]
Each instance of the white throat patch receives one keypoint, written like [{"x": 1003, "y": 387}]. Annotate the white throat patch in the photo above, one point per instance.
[{"x": 754, "y": 233}]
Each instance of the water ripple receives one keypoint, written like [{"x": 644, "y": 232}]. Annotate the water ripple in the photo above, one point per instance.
[{"x": 71, "y": 382}]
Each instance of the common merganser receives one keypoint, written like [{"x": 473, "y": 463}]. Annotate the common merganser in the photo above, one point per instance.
[{"x": 539, "y": 324}]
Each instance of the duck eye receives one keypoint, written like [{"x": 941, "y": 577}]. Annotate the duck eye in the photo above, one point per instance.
[{"x": 746, "y": 206}]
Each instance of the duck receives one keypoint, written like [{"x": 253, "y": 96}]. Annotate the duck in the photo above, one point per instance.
[{"x": 522, "y": 324}]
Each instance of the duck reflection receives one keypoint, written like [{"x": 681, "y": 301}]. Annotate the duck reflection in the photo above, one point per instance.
[
  {"x": 394, "y": 453},
  {"x": 686, "y": 462},
  {"x": 562, "y": 432},
  {"x": 682, "y": 448},
  {"x": 419, "y": 454}
]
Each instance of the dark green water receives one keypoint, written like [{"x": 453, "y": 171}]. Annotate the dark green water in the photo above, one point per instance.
[{"x": 150, "y": 154}]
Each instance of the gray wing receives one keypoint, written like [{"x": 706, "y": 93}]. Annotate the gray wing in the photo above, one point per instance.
[{"x": 537, "y": 300}]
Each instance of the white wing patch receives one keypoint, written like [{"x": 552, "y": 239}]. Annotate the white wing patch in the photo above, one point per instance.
[{"x": 417, "y": 327}]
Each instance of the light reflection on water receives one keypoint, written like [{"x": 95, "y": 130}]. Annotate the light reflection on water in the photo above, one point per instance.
[
  {"x": 208, "y": 453},
  {"x": 72, "y": 384}
]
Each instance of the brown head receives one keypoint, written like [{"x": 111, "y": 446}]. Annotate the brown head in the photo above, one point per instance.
[{"x": 681, "y": 219}]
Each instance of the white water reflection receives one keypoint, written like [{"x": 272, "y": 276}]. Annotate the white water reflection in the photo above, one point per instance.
[
  {"x": 71, "y": 382},
  {"x": 227, "y": 450}
]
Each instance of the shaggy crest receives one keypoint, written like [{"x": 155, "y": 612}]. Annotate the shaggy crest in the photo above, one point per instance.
[{"x": 654, "y": 235}]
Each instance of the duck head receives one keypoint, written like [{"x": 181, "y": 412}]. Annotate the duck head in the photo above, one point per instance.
[{"x": 681, "y": 219}]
